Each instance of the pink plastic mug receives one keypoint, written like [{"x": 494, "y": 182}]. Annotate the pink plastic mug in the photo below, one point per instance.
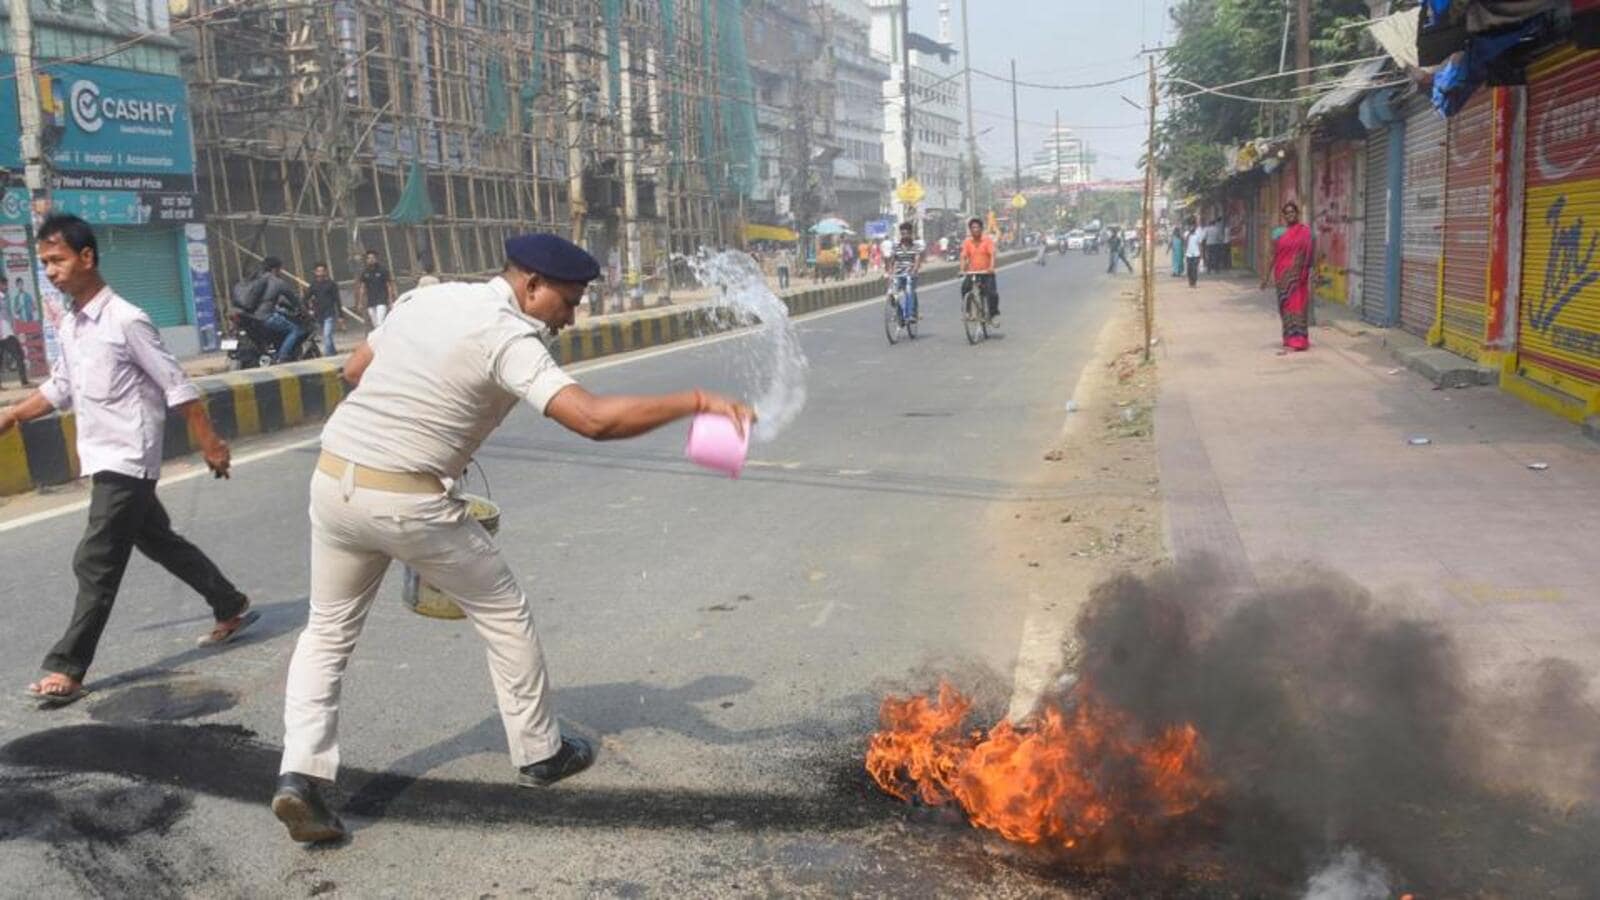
[{"x": 715, "y": 443}]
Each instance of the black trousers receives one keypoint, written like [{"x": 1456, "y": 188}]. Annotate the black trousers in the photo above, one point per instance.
[
  {"x": 10, "y": 346},
  {"x": 123, "y": 514},
  {"x": 1193, "y": 264}
]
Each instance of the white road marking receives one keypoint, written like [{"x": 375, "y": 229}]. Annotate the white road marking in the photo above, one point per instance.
[
  {"x": 580, "y": 368},
  {"x": 826, "y": 612}
]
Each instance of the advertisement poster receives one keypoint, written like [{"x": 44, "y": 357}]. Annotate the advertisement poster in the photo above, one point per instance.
[
  {"x": 51, "y": 305},
  {"x": 21, "y": 300},
  {"x": 205, "y": 296}
]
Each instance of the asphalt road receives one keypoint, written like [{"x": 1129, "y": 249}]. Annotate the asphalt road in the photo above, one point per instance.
[{"x": 726, "y": 642}]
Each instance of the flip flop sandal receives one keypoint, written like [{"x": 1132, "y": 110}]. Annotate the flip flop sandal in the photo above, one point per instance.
[
  {"x": 221, "y": 635},
  {"x": 46, "y": 701}
]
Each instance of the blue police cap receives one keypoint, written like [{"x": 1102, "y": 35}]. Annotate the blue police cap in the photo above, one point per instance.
[{"x": 553, "y": 257}]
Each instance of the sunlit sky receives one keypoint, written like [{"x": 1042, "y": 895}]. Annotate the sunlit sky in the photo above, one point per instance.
[{"x": 1057, "y": 42}]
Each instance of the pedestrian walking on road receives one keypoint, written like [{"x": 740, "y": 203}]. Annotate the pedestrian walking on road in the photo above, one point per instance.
[
  {"x": 115, "y": 374},
  {"x": 322, "y": 298},
  {"x": 1177, "y": 251},
  {"x": 432, "y": 383},
  {"x": 1291, "y": 273},
  {"x": 1192, "y": 257},
  {"x": 1218, "y": 254},
  {"x": 1118, "y": 251},
  {"x": 375, "y": 292},
  {"x": 785, "y": 263}
]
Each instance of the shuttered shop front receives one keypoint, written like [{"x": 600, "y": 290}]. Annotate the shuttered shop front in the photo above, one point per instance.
[
  {"x": 1375, "y": 237},
  {"x": 1559, "y": 316},
  {"x": 141, "y": 264},
  {"x": 1469, "y": 162},
  {"x": 1424, "y": 217}
]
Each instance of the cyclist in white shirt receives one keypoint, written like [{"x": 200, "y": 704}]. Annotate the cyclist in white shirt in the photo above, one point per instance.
[{"x": 903, "y": 261}]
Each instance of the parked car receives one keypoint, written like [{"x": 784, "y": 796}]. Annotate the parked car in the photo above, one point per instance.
[{"x": 1075, "y": 239}]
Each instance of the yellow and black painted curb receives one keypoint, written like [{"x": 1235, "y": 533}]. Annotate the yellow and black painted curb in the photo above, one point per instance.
[{"x": 43, "y": 452}]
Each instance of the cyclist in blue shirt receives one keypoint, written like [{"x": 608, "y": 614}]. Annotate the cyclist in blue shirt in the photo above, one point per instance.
[{"x": 904, "y": 264}]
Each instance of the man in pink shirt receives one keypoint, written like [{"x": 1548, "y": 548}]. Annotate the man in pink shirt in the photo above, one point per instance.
[{"x": 115, "y": 373}]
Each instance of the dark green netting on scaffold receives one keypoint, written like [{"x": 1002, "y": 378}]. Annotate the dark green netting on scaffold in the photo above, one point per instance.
[{"x": 414, "y": 207}]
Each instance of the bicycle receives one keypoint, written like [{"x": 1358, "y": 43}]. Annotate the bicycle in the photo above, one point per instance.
[
  {"x": 975, "y": 311},
  {"x": 895, "y": 320}
]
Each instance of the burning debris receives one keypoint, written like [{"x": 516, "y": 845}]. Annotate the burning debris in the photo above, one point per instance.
[
  {"x": 1080, "y": 775},
  {"x": 1247, "y": 739}
]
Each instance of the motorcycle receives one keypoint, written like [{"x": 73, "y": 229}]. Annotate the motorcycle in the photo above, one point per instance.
[
  {"x": 1091, "y": 245},
  {"x": 252, "y": 344}
]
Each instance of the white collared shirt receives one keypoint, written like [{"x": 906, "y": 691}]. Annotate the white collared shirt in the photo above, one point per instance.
[
  {"x": 448, "y": 365},
  {"x": 114, "y": 372}
]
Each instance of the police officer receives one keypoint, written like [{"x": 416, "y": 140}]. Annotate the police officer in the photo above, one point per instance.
[{"x": 433, "y": 381}]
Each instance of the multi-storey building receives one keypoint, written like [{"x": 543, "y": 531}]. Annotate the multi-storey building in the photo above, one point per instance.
[
  {"x": 435, "y": 128},
  {"x": 1064, "y": 157},
  {"x": 786, "y": 45},
  {"x": 861, "y": 175},
  {"x": 936, "y": 108}
]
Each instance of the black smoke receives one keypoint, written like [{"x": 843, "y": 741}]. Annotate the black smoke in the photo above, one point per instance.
[{"x": 1332, "y": 722}]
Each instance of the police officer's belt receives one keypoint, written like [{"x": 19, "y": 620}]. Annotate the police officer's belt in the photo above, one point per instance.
[{"x": 376, "y": 480}]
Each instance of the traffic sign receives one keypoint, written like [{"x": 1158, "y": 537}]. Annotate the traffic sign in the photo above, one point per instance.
[
  {"x": 910, "y": 192},
  {"x": 1019, "y": 201}
]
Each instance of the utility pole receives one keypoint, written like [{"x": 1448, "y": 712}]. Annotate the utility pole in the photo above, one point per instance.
[
  {"x": 36, "y": 173},
  {"x": 574, "y": 133},
  {"x": 1016, "y": 129},
  {"x": 632, "y": 264},
  {"x": 1302, "y": 59},
  {"x": 1147, "y": 257},
  {"x": 972, "y": 136},
  {"x": 910, "y": 212},
  {"x": 1055, "y": 158}
]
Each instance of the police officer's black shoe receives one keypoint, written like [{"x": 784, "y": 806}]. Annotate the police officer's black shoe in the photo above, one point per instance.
[
  {"x": 298, "y": 804},
  {"x": 575, "y": 755}
]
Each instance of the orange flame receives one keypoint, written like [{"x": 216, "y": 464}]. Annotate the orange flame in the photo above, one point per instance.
[{"x": 1079, "y": 771}]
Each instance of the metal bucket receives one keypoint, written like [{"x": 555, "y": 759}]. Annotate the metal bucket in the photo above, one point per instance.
[{"x": 423, "y": 598}]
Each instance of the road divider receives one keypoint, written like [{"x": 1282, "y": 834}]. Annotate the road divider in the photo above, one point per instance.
[{"x": 43, "y": 453}]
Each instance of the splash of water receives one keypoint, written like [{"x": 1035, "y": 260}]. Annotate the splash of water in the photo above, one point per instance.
[
  {"x": 772, "y": 365},
  {"x": 1349, "y": 876}
]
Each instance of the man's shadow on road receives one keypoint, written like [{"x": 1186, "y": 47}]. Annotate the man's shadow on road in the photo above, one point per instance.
[{"x": 599, "y": 710}]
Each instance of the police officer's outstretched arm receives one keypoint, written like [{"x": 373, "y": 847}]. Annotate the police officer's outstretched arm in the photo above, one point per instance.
[{"x": 614, "y": 417}]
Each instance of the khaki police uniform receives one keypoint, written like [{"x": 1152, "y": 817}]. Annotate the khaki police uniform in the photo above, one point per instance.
[{"x": 450, "y": 362}]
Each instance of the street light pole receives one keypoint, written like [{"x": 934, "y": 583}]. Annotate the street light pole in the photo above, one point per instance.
[
  {"x": 27, "y": 82},
  {"x": 1016, "y": 130},
  {"x": 976, "y": 203},
  {"x": 1147, "y": 256},
  {"x": 909, "y": 213}
]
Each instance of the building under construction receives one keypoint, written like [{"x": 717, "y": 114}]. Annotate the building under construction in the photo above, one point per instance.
[{"x": 429, "y": 130}]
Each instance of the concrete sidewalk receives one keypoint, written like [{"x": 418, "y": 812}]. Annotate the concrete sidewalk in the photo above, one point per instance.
[{"x": 1271, "y": 463}]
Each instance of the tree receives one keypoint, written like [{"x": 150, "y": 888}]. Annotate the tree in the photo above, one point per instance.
[{"x": 1220, "y": 42}]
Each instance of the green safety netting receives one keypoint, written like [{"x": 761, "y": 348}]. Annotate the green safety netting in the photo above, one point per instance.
[
  {"x": 669, "y": 68},
  {"x": 613, "y": 17},
  {"x": 738, "y": 96},
  {"x": 414, "y": 207},
  {"x": 496, "y": 104},
  {"x": 535, "y": 80}
]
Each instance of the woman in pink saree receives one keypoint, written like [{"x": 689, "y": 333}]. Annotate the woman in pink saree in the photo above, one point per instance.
[{"x": 1291, "y": 272}]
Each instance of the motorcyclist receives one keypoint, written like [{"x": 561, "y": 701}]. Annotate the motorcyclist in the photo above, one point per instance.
[{"x": 278, "y": 308}]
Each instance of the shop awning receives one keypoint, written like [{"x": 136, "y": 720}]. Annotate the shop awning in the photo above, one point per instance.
[
  {"x": 769, "y": 233},
  {"x": 1352, "y": 87}
]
